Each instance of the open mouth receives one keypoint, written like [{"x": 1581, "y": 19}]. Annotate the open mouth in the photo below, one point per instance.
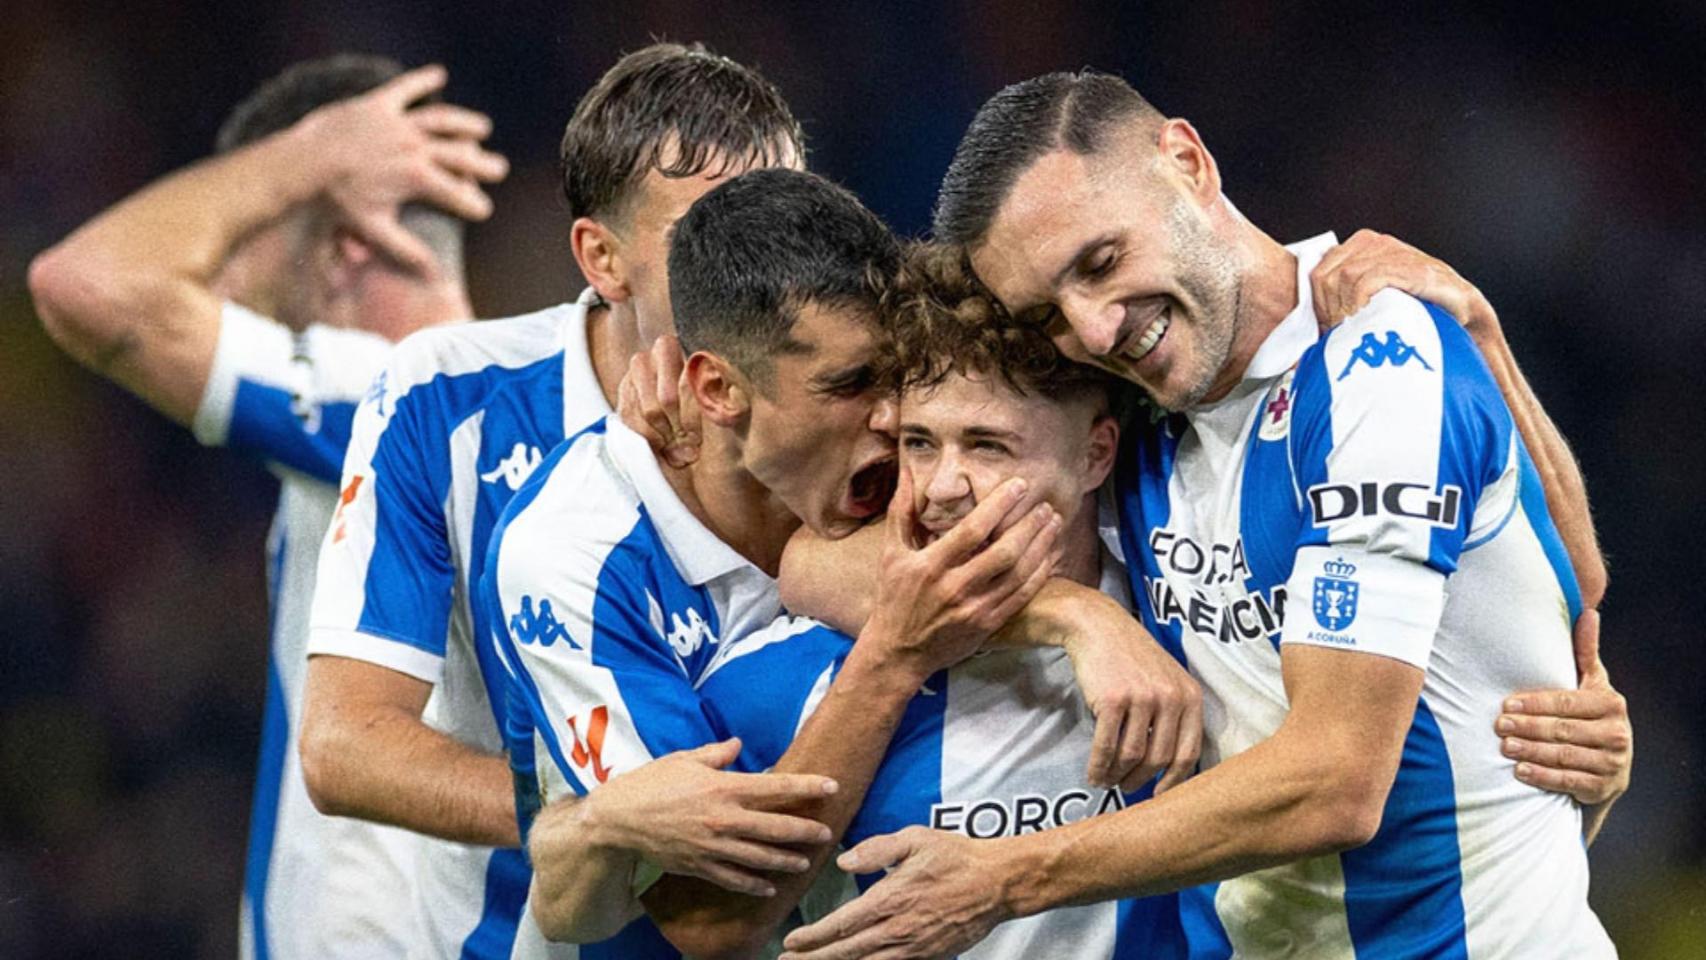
[{"x": 871, "y": 488}]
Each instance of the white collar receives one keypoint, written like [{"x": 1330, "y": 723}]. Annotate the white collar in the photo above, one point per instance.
[
  {"x": 693, "y": 548},
  {"x": 581, "y": 390},
  {"x": 1298, "y": 331}
]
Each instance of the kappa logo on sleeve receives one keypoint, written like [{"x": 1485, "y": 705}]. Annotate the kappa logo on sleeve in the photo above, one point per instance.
[
  {"x": 1376, "y": 353},
  {"x": 540, "y": 626},
  {"x": 589, "y": 755}
]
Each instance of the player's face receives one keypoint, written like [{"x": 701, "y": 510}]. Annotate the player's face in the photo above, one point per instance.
[
  {"x": 816, "y": 436},
  {"x": 657, "y": 204},
  {"x": 1121, "y": 264},
  {"x": 963, "y": 437}
]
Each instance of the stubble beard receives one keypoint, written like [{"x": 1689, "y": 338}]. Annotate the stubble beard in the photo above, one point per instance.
[{"x": 1207, "y": 270}]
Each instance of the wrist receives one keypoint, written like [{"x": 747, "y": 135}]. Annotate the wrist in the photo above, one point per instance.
[
  {"x": 878, "y": 667},
  {"x": 1024, "y": 876}
]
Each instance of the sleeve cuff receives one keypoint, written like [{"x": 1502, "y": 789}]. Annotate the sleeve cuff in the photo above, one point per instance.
[
  {"x": 383, "y": 651},
  {"x": 1350, "y": 599}
]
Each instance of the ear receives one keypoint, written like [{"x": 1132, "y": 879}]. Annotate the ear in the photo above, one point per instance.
[
  {"x": 1104, "y": 446},
  {"x": 598, "y": 253},
  {"x": 1185, "y": 157},
  {"x": 723, "y": 394}
]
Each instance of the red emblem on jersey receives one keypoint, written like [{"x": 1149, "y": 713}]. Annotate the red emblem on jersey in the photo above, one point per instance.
[
  {"x": 344, "y": 499},
  {"x": 591, "y": 753}
]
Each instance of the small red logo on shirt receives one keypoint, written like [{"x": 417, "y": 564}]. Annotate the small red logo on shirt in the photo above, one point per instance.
[
  {"x": 591, "y": 754},
  {"x": 344, "y": 499}
]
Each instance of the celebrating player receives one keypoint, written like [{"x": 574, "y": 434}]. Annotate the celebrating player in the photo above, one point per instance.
[
  {"x": 400, "y": 724},
  {"x": 252, "y": 298},
  {"x": 1352, "y": 802}
]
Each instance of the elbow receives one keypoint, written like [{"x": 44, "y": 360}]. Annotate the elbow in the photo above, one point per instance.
[
  {"x": 77, "y": 301},
  {"x": 1592, "y": 582},
  {"x": 721, "y": 941},
  {"x": 55, "y": 282},
  {"x": 1349, "y": 812},
  {"x": 318, "y": 749}
]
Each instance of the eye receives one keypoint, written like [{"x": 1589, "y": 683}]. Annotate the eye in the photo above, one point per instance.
[
  {"x": 1100, "y": 263},
  {"x": 916, "y": 444},
  {"x": 991, "y": 447}
]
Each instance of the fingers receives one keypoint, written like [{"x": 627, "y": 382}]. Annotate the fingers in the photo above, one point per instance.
[
  {"x": 408, "y": 87},
  {"x": 759, "y": 856},
  {"x": 1562, "y": 756},
  {"x": 450, "y": 121},
  {"x": 1185, "y": 753},
  {"x": 1584, "y": 640},
  {"x": 1015, "y": 554},
  {"x": 778, "y": 828},
  {"x": 1104, "y": 747},
  {"x": 398, "y": 244},
  {"x": 880, "y": 852},
  {"x": 1576, "y": 783},
  {"x": 732, "y": 878},
  {"x": 814, "y": 941},
  {"x": 1590, "y": 704},
  {"x": 777, "y": 789},
  {"x": 714, "y": 755},
  {"x": 467, "y": 160},
  {"x": 901, "y": 525},
  {"x": 687, "y": 449},
  {"x": 973, "y": 531},
  {"x": 452, "y": 194}
]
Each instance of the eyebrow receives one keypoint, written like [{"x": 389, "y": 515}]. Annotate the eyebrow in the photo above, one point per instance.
[
  {"x": 846, "y": 375},
  {"x": 1082, "y": 251},
  {"x": 991, "y": 433}
]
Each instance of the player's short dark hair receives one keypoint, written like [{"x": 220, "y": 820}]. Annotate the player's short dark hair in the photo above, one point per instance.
[
  {"x": 942, "y": 321},
  {"x": 302, "y": 88},
  {"x": 748, "y": 255},
  {"x": 675, "y": 109},
  {"x": 1075, "y": 111}
]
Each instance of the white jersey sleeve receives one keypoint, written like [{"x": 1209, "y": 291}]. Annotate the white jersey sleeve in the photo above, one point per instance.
[
  {"x": 1400, "y": 443},
  {"x": 286, "y": 397}
]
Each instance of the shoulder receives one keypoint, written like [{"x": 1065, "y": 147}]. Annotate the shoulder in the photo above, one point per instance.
[
  {"x": 575, "y": 511},
  {"x": 479, "y": 348}
]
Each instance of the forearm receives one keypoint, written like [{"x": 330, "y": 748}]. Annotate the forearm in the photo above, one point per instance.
[
  {"x": 845, "y": 739},
  {"x": 1560, "y": 474},
  {"x": 1593, "y": 818},
  {"x": 583, "y": 888},
  {"x": 1046, "y": 621},
  {"x": 834, "y": 581},
  {"x": 385, "y": 765}
]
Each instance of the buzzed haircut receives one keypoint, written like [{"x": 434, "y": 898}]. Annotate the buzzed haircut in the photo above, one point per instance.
[
  {"x": 941, "y": 321},
  {"x": 1074, "y": 111},
  {"x": 304, "y": 87},
  {"x": 680, "y": 110},
  {"x": 751, "y": 253}
]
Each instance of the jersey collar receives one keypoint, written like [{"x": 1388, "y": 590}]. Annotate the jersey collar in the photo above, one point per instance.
[
  {"x": 695, "y": 551},
  {"x": 1298, "y": 331}
]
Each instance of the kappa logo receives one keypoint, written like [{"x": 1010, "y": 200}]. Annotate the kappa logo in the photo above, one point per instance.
[
  {"x": 514, "y": 469},
  {"x": 1336, "y": 595},
  {"x": 590, "y": 754},
  {"x": 541, "y": 626},
  {"x": 685, "y": 635},
  {"x": 1376, "y": 353}
]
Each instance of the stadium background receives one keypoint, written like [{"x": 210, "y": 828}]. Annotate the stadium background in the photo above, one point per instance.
[{"x": 1553, "y": 156}]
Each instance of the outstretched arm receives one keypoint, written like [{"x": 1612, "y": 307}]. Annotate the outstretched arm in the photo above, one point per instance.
[{"x": 130, "y": 294}]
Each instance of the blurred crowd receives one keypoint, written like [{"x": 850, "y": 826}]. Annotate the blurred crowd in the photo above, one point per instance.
[{"x": 1552, "y": 155}]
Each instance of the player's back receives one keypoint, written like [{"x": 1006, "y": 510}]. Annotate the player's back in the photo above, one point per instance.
[{"x": 455, "y": 425}]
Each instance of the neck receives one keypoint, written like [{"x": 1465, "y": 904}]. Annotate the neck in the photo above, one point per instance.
[
  {"x": 613, "y": 337},
  {"x": 1081, "y": 561},
  {"x": 1267, "y": 293},
  {"x": 731, "y": 503}
]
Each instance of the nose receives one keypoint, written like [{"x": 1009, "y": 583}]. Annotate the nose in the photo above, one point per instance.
[
  {"x": 1095, "y": 325},
  {"x": 948, "y": 482},
  {"x": 885, "y": 418}
]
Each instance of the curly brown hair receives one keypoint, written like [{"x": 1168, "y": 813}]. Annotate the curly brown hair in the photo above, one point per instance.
[{"x": 942, "y": 320}]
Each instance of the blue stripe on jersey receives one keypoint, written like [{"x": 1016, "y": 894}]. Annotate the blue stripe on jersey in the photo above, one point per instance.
[
  {"x": 411, "y": 575},
  {"x": 1540, "y": 519},
  {"x": 1269, "y": 515},
  {"x": 1310, "y": 439},
  {"x": 1404, "y": 889},
  {"x": 761, "y": 696},
  {"x": 1205, "y": 936},
  {"x": 264, "y": 423},
  {"x": 1141, "y": 489},
  {"x": 507, "y": 879},
  {"x": 269, "y": 777},
  {"x": 908, "y": 784},
  {"x": 1474, "y": 437}
]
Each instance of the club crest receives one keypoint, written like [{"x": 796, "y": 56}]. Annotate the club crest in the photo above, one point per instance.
[
  {"x": 1336, "y": 595},
  {"x": 1276, "y": 413}
]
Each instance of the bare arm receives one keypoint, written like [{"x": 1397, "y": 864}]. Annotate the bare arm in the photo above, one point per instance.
[
  {"x": 1317, "y": 786},
  {"x": 130, "y": 294},
  {"x": 362, "y": 735}
]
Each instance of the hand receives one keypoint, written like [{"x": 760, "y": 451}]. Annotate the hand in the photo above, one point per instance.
[
  {"x": 1577, "y": 741},
  {"x": 937, "y": 603},
  {"x": 686, "y": 815},
  {"x": 382, "y": 153},
  {"x": 655, "y": 402},
  {"x": 1148, "y": 709},
  {"x": 935, "y": 901},
  {"x": 1354, "y": 271}
]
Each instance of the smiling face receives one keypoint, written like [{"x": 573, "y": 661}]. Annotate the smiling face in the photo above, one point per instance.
[
  {"x": 814, "y": 435},
  {"x": 1117, "y": 254},
  {"x": 962, "y": 437}
]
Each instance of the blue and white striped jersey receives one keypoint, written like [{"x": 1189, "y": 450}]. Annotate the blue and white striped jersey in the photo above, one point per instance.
[
  {"x": 448, "y": 432},
  {"x": 314, "y": 886},
  {"x": 1369, "y": 492},
  {"x": 996, "y": 746},
  {"x": 610, "y": 602}
]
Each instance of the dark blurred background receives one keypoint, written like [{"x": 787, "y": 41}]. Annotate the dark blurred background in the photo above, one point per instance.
[{"x": 1552, "y": 154}]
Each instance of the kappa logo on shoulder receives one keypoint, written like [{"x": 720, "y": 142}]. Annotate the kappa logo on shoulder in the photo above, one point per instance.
[
  {"x": 1376, "y": 353},
  {"x": 530, "y": 626},
  {"x": 514, "y": 469},
  {"x": 684, "y": 635}
]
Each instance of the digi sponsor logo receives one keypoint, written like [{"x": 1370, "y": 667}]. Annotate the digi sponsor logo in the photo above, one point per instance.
[
  {"x": 1026, "y": 813},
  {"x": 530, "y": 626},
  {"x": 589, "y": 754},
  {"x": 1332, "y": 502},
  {"x": 514, "y": 469},
  {"x": 1336, "y": 598},
  {"x": 1377, "y": 353}
]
